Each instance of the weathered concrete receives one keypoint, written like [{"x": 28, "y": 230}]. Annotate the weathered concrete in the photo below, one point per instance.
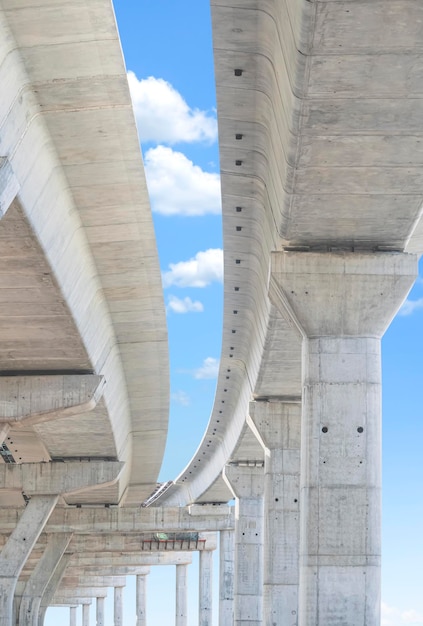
[
  {"x": 17, "y": 549},
  {"x": 181, "y": 605},
  {"x": 39, "y": 579},
  {"x": 141, "y": 598},
  {"x": 343, "y": 304},
  {"x": 278, "y": 425},
  {"x": 205, "y": 593},
  {"x": 247, "y": 485},
  {"x": 226, "y": 577}
]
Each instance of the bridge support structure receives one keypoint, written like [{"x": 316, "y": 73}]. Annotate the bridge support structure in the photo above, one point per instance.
[
  {"x": 278, "y": 427},
  {"x": 342, "y": 303},
  {"x": 246, "y": 483}
]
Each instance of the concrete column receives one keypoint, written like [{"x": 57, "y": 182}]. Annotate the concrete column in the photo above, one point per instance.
[
  {"x": 72, "y": 616},
  {"x": 38, "y": 581},
  {"x": 247, "y": 484},
  {"x": 226, "y": 577},
  {"x": 141, "y": 600},
  {"x": 100, "y": 602},
  {"x": 205, "y": 597},
  {"x": 118, "y": 606},
  {"x": 278, "y": 426},
  {"x": 342, "y": 303},
  {"x": 85, "y": 615},
  {"x": 17, "y": 549},
  {"x": 52, "y": 586},
  {"x": 181, "y": 609}
]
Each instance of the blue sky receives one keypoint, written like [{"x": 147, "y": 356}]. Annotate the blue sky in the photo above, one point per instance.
[{"x": 168, "y": 52}]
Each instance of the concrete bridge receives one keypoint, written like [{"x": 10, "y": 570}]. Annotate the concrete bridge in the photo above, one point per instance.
[{"x": 320, "y": 138}]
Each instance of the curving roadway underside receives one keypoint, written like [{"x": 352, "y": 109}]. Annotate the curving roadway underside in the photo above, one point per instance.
[
  {"x": 321, "y": 150},
  {"x": 80, "y": 286}
]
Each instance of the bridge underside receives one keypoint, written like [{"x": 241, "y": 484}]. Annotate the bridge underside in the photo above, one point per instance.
[{"x": 320, "y": 124}]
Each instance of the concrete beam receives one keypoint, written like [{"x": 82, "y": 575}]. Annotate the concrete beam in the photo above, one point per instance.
[
  {"x": 111, "y": 570},
  {"x": 85, "y": 592},
  {"x": 9, "y": 185},
  {"x": 98, "y": 520},
  {"x": 85, "y": 580},
  {"x": 130, "y": 559},
  {"x": 28, "y": 400},
  {"x": 69, "y": 601},
  {"x": 36, "y": 479}
]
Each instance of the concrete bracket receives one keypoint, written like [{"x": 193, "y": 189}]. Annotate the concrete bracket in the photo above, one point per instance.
[
  {"x": 36, "y": 479},
  {"x": 28, "y": 400}
]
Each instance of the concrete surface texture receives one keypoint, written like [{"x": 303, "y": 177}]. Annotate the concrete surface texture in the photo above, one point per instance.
[{"x": 321, "y": 179}]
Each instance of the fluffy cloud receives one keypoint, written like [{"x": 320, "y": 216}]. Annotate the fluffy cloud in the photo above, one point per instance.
[
  {"x": 180, "y": 397},
  {"x": 163, "y": 116},
  {"x": 208, "y": 370},
  {"x": 206, "y": 267},
  {"x": 410, "y": 306},
  {"x": 178, "y": 187},
  {"x": 394, "y": 617},
  {"x": 184, "y": 306}
]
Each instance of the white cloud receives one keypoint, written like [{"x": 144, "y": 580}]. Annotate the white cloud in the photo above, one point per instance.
[
  {"x": 180, "y": 397},
  {"x": 392, "y": 616},
  {"x": 206, "y": 267},
  {"x": 184, "y": 306},
  {"x": 178, "y": 187},
  {"x": 208, "y": 370},
  {"x": 410, "y": 306},
  {"x": 163, "y": 116}
]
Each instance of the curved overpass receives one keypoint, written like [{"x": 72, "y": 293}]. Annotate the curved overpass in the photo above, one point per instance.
[
  {"x": 320, "y": 146},
  {"x": 79, "y": 278}
]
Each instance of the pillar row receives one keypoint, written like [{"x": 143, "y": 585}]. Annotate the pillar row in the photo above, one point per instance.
[
  {"x": 246, "y": 484},
  {"x": 278, "y": 426},
  {"x": 343, "y": 303}
]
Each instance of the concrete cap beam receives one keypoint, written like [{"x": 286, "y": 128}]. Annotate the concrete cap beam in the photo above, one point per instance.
[
  {"x": 29, "y": 400},
  {"x": 58, "y": 478}
]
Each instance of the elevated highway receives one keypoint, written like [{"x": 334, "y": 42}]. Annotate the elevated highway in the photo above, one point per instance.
[
  {"x": 319, "y": 107},
  {"x": 320, "y": 135},
  {"x": 83, "y": 341}
]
